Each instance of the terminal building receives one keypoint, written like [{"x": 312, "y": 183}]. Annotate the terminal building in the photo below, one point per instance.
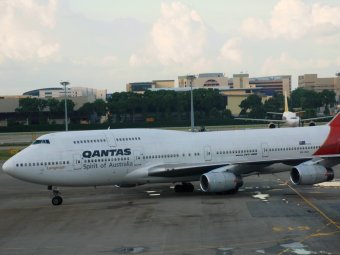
[
  {"x": 90, "y": 93},
  {"x": 268, "y": 85},
  {"x": 141, "y": 87},
  {"x": 203, "y": 80},
  {"x": 313, "y": 82},
  {"x": 79, "y": 95},
  {"x": 240, "y": 86}
]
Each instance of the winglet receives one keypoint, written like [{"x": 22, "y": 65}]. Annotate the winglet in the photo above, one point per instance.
[{"x": 335, "y": 122}]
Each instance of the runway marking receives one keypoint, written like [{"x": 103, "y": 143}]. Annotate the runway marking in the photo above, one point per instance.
[
  {"x": 284, "y": 229},
  {"x": 308, "y": 202},
  {"x": 165, "y": 249},
  {"x": 317, "y": 233},
  {"x": 324, "y": 234}
]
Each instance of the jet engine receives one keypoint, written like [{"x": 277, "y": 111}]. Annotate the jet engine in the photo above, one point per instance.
[
  {"x": 271, "y": 125},
  {"x": 305, "y": 174},
  {"x": 220, "y": 182}
]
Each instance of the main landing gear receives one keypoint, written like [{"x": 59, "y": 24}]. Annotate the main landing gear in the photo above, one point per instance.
[
  {"x": 56, "y": 199},
  {"x": 184, "y": 187}
]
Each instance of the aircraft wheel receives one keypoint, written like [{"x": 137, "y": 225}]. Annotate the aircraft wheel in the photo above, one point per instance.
[
  {"x": 185, "y": 187},
  {"x": 188, "y": 187},
  {"x": 179, "y": 188},
  {"x": 57, "y": 200}
]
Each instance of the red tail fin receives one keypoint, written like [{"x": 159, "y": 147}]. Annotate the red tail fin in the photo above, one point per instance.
[{"x": 335, "y": 122}]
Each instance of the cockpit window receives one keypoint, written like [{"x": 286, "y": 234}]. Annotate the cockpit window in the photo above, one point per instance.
[{"x": 41, "y": 141}]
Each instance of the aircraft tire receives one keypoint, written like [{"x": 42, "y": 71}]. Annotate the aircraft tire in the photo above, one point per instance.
[
  {"x": 186, "y": 187},
  {"x": 57, "y": 200}
]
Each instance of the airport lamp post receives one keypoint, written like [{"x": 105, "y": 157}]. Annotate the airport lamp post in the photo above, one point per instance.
[
  {"x": 191, "y": 78},
  {"x": 65, "y": 83}
]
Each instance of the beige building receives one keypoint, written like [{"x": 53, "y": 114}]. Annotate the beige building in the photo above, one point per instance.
[
  {"x": 312, "y": 82},
  {"x": 8, "y": 104},
  {"x": 236, "y": 96},
  {"x": 268, "y": 85},
  {"x": 141, "y": 87},
  {"x": 203, "y": 80}
]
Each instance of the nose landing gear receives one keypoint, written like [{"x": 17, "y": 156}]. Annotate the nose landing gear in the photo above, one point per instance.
[{"x": 56, "y": 199}]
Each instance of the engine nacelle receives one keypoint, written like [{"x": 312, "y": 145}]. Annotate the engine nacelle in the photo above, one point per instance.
[
  {"x": 310, "y": 174},
  {"x": 271, "y": 125},
  {"x": 220, "y": 182}
]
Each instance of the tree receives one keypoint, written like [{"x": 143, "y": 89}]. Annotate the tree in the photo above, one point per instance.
[
  {"x": 33, "y": 107},
  {"x": 305, "y": 99},
  {"x": 274, "y": 104},
  {"x": 328, "y": 97},
  {"x": 252, "y": 107},
  {"x": 53, "y": 105}
]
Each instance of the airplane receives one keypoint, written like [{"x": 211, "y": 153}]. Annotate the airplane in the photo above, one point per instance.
[
  {"x": 219, "y": 160},
  {"x": 290, "y": 119}
]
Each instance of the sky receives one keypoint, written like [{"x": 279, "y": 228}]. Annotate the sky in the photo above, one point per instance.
[{"x": 106, "y": 44}]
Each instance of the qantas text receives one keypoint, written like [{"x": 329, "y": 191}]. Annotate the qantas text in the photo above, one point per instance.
[{"x": 107, "y": 153}]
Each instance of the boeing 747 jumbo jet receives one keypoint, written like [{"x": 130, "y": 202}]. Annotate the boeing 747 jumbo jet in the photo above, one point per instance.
[
  {"x": 219, "y": 160},
  {"x": 291, "y": 119}
]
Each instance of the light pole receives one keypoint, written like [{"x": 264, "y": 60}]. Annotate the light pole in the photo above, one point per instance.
[
  {"x": 65, "y": 83},
  {"x": 191, "y": 78}
]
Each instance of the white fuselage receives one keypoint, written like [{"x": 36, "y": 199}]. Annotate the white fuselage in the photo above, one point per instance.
[
  {"x": 126, "y": 156},
  {"x": 292, "y": 120}
]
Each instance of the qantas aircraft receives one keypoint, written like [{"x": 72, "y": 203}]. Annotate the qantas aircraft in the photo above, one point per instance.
[
  {"x": 291, "y": 119},
  {"x": 219, "y": 160}
]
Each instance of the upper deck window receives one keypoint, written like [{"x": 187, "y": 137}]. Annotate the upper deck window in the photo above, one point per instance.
[{"x": 46, "y": 141}]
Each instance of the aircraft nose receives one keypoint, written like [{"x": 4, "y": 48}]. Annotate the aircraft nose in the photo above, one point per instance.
[{"x": 7, "y": 166}]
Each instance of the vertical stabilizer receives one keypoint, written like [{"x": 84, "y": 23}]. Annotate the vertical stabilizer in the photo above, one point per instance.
[
  {"x": 335, "y": 122},
  {"x": 286, "y": 102}
]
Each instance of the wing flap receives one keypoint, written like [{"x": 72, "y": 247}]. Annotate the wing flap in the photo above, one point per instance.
[{"x": 184, "y": 170}]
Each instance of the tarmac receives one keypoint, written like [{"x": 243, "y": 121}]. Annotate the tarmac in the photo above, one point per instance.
[{"x": 267, "y": 216}]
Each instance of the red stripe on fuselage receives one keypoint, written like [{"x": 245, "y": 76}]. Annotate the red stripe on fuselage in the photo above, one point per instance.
[{"x": 332, "y": 143}]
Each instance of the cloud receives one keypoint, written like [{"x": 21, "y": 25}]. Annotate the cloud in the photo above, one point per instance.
[
  {"x": 136, "y": 60},
  {"x": 178, "y": 37},
  {"x": 296, "y": 19},
  {"x": 23, "y": 26},
  {"x": 286, "y": 64},
  {"x": 231, "y": 52},
  {"x": 107, "y": 61}
]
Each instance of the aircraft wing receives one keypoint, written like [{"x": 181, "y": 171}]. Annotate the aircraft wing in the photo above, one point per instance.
[
  {"x": 263, "y": 120},
  {"x": 183, "y": 170},
  {"x": 277, "y": 113},
  {"x": 317, "y": 118}
]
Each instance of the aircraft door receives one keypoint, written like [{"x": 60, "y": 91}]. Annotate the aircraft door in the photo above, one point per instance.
[
  {"x": 264, "y": 148},
  {"x": 138, "y": 158},
  {"x": 76, "y": 161},
  {"x": 110, "y": 138},
  {"x": 207, "y": 153}
]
